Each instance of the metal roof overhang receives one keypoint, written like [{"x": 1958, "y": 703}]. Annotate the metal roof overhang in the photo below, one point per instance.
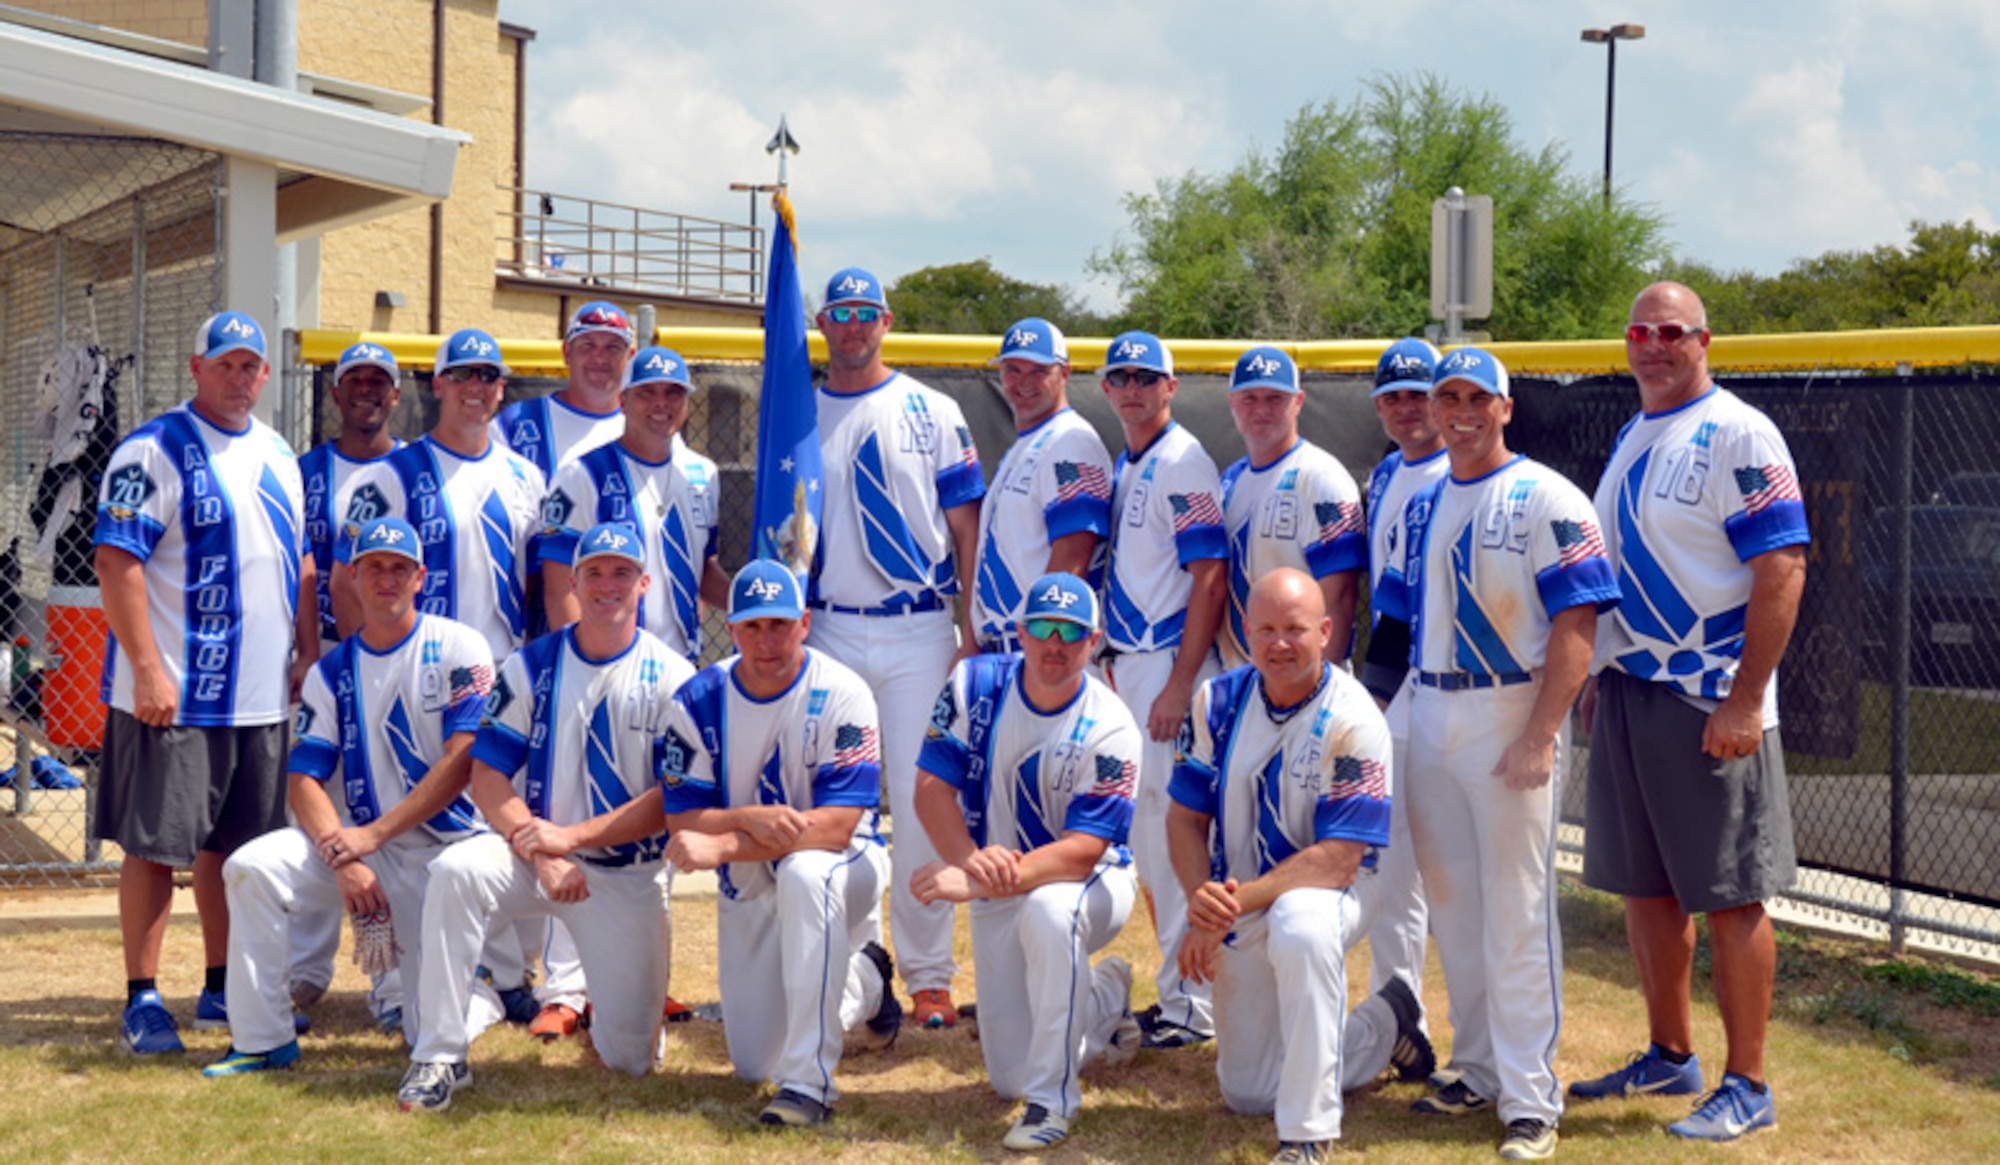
[{"x": 338, "y": 163}]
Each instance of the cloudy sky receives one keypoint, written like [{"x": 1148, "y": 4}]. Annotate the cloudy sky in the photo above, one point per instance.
[{"x": 935, "y": 131}]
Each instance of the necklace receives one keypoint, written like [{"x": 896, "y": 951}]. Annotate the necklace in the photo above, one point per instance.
[{"x": 1281, "y": 715}]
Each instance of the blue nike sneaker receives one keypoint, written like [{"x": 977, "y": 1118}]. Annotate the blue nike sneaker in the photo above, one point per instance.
[
  {"x": 235, "y": 1063},
  {"x": 1647, "y": 1073},
  {"x": 149, "y": 1027},
  {"x": 1729, "y": 1112}
]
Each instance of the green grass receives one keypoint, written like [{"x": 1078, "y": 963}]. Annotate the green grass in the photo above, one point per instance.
[{"x": 1949, "y": 734}]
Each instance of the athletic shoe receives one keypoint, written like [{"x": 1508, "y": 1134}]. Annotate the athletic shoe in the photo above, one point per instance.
[
  {"x": 1647, "y": 1073},
  {"x": 554, "y": 1022},
  {"x": 1445, "y": 1075},
  {"x": 1412, "y": 1057},
  {"x": 934, "y": 1008},
  {"x": 676, "y": 1012},
  {"x": 1728, "y": 1112},
  {"x": 887, "y": 1022},
  {"x": 795, "y": 1110},
  {"x": 1038, "y": 1128},
  {"x": 1128, "y": 1035},
  {"x": 428, "y": 1087},
  {"x": 519, "y": 1004},
  {"x": 1303, "y": 1152},
  {"x": 211, "y": 1013},
  {"x": 1529, "y": 1139},
  {"x": 1454, "y": 1099},
  {"x": 235, "y": 1063},
  {"x": 1166, "y": 1033},
  {"x": 390, "y": 1021},
  {"x": 1148, "y": 1018},
  {"x": 149, "y": 1026}
]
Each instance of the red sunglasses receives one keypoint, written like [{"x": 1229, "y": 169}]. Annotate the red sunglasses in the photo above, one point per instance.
[{"x": 1668, "y": 333}]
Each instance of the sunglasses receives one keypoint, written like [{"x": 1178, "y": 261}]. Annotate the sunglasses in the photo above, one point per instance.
[
  {"x": 853, "y": 315},
  {"x": 484, "y": 373},
  {"x": 599, "y": 318},
  {"x": 1143, "y": 377},
  {"x": 1668, "y": 333},
  {"x": 1061, "y": 629}
]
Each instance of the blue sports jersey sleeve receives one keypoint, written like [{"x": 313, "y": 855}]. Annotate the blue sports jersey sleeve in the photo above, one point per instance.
[
  {"x": 1195, "y": 783},
  {"x": 1105, "y": 808},
  {"x": 139, "y": 497},
  {"x": 1765, "y": 508},
  {"x": 684, "y": 767},
  {"x": 315, "y": 749},
  {"x": 469, "y": 678},
  {"x": 502, "y": 742},
  {"x": 1571, "y": 565},
  {"x": 851, "y": 772}
]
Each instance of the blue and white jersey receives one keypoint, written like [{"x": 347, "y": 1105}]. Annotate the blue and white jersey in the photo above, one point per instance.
[
  {"x": 1278, "y": 780},
  {"x": 896, "y": 457},
  {"x": 381, "y": 719},
  {"x": 549, "y": 434},
  {"x": 1026, "y": 777},
  {"x": 475, "y": 516},
  {"x": 1054, "y": 481},
  {"x": 1490, "y": 562},
  {"x": 815, "y": 745},
  {"x": 1169, "y": 515},
  {"x": 579, "y": 736},
  {"x": 218, "y": 518},
  {"x": 324, "y": 470},
  {"x": 1303, "y": 511},
  {"x": 1688, "y": 498},
  {"x": 1390, "y": 488},
  {"x": 673, "y": 503}
]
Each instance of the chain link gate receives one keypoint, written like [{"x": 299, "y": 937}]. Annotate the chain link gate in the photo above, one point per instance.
[{"x": 110, "y": 258}]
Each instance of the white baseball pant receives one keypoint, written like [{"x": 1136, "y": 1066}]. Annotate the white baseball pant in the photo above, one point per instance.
[
  {"x": 1392, "y": 898},
  {"x": 904, "y": 659},
  {"x": 1045, "y": 1011},
  {"x": 1487, "y": 854},
  {"x": 621, "y": 933}
]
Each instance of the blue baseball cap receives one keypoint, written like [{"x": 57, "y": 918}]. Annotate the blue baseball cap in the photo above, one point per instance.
[
  {"x": 366, "y": 355},
  {"x": 1139, "y": 350},
  {"x": 229, "y": 331},
  {"x": 1034, "y": 339},
  {"x": 1475, "y": 365},
  {"x": 610, "y": 540},
  {"x": 765, "y": 589},
  {"x": 855, "y": 285},
  {"x": 599, "y": 316},
  {"x": 1406, "y": 365},
  {"x": 388, "y": 536},
  {"x": 468, "y": 347},
  {"x": 657, "y": 366},
  {"x": 1061, "y": 596},
  {"x": 1265, "y": 367}
]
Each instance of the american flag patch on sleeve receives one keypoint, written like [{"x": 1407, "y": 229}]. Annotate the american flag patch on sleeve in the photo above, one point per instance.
[
  {"x": 1763, "y": 485},
  {"x": 1576, "y": 541},
  {"x": 1194, "y": 510},
  {"x": 1076, "y": 479},
  {"x": 853, "y": 745},
  {"x": 1115, "y": 778},
  {"x": 476, "y": 680},
  {"x": 1338, "y": 518},
  {"x": 1355, "y": 776}
]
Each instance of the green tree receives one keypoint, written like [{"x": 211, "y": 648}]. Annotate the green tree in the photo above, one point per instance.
[
  {"x": 1329, "y": 235},
  {"x": 977, "y": 299}
]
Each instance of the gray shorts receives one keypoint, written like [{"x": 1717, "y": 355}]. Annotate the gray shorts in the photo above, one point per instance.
[
  {"x": 166, "y": 794},
  {"x": 1665, "y": 819}
]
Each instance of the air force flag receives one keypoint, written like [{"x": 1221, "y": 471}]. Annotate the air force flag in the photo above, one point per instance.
[{"x": 788, "y": 465}]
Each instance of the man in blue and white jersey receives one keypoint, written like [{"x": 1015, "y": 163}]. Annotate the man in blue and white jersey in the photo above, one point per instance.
[
  {"x": 1287, "y": 502},
  {"x": 563, "y": 770},
  {"x": 1688, "y": 810},
  {"x": 1506, "y": 574},
  {"x": 1049, "y": 506},
  {"x": 899, "y": 529},
  {"x": 551, "y": 431},
  {"x": 771, "y": 776},
  {"x": 392, "y": 711},
  {"x": 1025, "y": 787},
  {"x": 651, "y": 481},
  {"x": 475, "y": 505},
  {"x": 1164, "y": 590},
  {"x": 1281, "y": 797},
  {"x": 208, "y": 591}
]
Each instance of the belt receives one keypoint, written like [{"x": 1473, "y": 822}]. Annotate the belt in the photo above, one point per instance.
[
  {"x": 1000, "y": 644},
  {"x": 1460, "y": 681},
  {"x": 617, "y": 863},
  {"x": 931, "y": 601}
]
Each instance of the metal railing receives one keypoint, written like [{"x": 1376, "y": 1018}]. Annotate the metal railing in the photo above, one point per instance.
[{"x": 558, "y": 238}]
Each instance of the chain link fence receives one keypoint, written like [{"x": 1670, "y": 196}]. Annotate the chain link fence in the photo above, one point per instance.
[{"x": 109, "y": 260}]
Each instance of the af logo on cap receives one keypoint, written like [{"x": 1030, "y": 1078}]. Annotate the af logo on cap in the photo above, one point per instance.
[
  {"x": 1128, "y": 350},
  {"x": 1058, "y": 597},
  {"x": 1262, "y": 365},
  {"x": 853, "y": 285}
]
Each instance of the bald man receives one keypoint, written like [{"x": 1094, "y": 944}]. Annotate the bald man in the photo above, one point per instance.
[{"x": 1292, "y": 756}]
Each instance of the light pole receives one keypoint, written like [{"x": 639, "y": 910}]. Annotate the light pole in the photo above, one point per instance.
[{"x": 1609, "y": 38}]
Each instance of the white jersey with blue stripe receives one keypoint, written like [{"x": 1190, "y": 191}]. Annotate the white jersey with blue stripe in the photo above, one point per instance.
[
  {"x": 549, "y": 434},
  {"x": 1491, "y": 562},
  {"x": 817, "y": 744},
  {"x": 475, "y": 517},
  {"x": 896, "y": 457},
  {"x": 1054, "y": 481},
  {"x": 1303, "y": 511},
  {"x": 1279, "y": 780},
  {"x": 579, "y": 736},
  {"x": 380, "y": 719},
  {"x": 1689, "y": 497},
  {"x": 1390, "y": 488},
  {"x": 1167, "y": 507},
  {"x": 217, "y": 517},
  {"x": 1024, "y": 776},
  {"x": 673, "y": 504},
  {"x": 324, "y": 470}
]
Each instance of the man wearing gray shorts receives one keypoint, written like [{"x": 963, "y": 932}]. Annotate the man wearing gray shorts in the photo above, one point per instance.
[{"x": 1702, "y": 514}]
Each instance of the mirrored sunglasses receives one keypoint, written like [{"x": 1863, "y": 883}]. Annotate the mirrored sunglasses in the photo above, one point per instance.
[
  {"x": 853, "y": 315},
  {"x": 1668, "y": 333},
  {"x": 1061, "y": 629}
]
